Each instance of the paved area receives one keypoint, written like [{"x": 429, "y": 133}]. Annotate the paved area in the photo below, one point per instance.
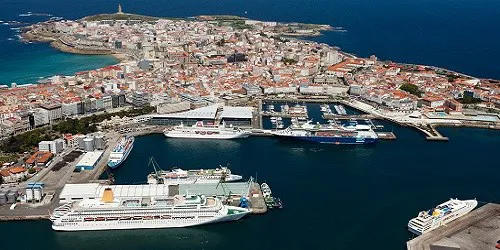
[{"x": 478, "y": 230}]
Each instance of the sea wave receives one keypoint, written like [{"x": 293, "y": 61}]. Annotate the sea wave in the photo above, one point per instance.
[{"x": 29, "y": 13}]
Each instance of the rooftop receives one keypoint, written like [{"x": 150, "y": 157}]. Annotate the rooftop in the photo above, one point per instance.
[
  {"x": 237, "y": 112},
  {"x": 89, "y": 159},
  {"x": 208, "y": 112}
]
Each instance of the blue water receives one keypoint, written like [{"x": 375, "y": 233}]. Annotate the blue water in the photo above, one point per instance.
[
  {"x": 456, "y": 34},
  {"x": 30, "y": 62}
]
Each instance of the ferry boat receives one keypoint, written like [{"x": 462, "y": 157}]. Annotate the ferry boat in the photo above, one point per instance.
[
  {"x": 179, "y": 176},
  {"x": 121, "y": 151},
  {"x": 202, "y": 131},
  {"x": 110, "y": 213},
  {"x": 441, "y": 215},
  {"x": 353, "y": 133}
]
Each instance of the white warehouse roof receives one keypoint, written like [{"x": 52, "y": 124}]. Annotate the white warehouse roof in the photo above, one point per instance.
[
  {"x": 208, "y": 112},
  {"x": 89, "y": 159},
  {"x": 237, "y": 112}
]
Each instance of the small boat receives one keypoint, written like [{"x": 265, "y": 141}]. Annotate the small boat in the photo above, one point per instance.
[
  {"x": 324, "y": 107},
  {"x": 278, "y": 203},
  {"x": 266, "y": 191}
]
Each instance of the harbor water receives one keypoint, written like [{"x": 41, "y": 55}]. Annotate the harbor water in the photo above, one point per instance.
[{"x": 335, "y": 197}]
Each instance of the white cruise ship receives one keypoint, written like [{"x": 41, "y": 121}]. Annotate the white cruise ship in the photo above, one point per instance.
[
  {"x": 441, "y": 215},
  {"x": 202, "y": 131},
  {"x": 202, "y": 176},
  {"x": 111, "y": 213}
]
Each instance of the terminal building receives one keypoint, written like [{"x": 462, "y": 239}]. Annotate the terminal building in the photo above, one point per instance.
[
  {"x": 213, "y": 114},
  {"x": 89, "y": 160}
]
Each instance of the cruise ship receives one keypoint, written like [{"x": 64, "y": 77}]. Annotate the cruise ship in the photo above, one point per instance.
[
  {"x": 179, "y": 176},
  {"x": 121, "y": 151},
  {"x": 110, "y": 213},
  {"x": 202, "y": 131},
  {"x": 444, "y": 213},
  {"x": 353, "y": 133}
]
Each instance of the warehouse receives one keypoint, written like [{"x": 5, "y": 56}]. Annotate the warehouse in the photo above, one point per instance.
[
  {"x": 237, "y": 116},
  {"x": 89, "y": 160},
  {"x": 206, "y": 114}
]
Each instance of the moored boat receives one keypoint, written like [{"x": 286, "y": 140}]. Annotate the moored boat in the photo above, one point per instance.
[
  {"x": 136, "y": 212},
  {"x": 332, "y": 133},
  {"x": 441, "y": 215},
  {"x": 121, "y": 151},
  {"x": 201, "y": 176},
  {"x": 202, "y": 131}
]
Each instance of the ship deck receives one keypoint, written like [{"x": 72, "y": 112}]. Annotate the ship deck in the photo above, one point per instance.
[{"x": 477, "y": 230}]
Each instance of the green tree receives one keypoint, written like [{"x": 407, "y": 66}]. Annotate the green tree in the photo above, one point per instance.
[{"x": 412, "y": 89}]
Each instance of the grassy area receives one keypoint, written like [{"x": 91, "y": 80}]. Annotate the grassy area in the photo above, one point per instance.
[
  {"x": 412, "y": 89},
  {"x": 116, "y": 16},
  {"x": 7, "y": 157}
]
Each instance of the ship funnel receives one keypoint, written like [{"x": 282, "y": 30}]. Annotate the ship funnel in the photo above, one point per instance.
[{"x": 107, "y": 196}]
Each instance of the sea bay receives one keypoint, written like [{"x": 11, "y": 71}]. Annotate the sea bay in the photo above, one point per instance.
[{"x": 335, "y": 197}]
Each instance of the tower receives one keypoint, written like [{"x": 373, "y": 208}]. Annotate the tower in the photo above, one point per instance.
[{"x": 119, "y": 9}]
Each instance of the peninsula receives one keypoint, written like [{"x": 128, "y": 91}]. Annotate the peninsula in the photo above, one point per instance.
[{"x": 211, "y": 59}]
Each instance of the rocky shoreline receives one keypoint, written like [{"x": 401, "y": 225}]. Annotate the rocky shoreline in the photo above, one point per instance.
[{"x": 30, "y": 35}]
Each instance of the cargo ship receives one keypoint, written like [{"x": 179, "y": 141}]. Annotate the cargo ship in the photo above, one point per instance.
[
  {"x": 201, "y": 176},
  {"x": 441, "y": 215},
  {"x": 352, "y": 133},
  {"x": 121, "y": 151},
  {"x": 110, "y": 213},
  {"x": 202, "y": 131}
]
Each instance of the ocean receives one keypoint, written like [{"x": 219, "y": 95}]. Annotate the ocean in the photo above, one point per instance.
[
  {"x": 455, "y": 34},
  {"x": 335, "y": 197}
]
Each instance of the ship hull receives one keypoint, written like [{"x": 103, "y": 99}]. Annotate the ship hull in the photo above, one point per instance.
[
  {"x": 332, "y": 140},
  {"x": 114, "y": 165},
  {"x": 207, "y": 136},
  {"x": 145, "y": 224}
]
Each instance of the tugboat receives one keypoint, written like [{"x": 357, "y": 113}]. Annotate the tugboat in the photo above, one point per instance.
[{"x": 268, "y": 195}]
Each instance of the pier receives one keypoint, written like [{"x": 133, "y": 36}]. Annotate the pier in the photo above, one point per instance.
[
  {"x": 386, "y": 135},
  {"x": 283, "y": 114},
  {"x": 349, "y": 117},
  {"x": 476, "y": 230}
]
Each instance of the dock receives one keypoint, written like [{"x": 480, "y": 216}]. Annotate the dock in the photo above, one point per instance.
[
  {"x": 349, "y": 117},
  {"x": 284, "y": 114},
  {"x": 386, "y": 135},
  {"x": 474, "y": 231}
]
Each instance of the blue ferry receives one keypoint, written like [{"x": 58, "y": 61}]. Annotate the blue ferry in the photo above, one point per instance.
[
  {"x": 352, "y": 133},
  {"x": 121, "y": 151}
]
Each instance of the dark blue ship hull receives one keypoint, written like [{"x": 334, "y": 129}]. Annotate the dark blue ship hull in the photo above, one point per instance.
[{"x": 334, "y": 140}]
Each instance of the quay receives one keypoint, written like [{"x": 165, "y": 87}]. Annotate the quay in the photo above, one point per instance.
[
  {"x": 476, "y": 230},
  {"x": 284, "y": 114},
  {"x": 26, "y": 217},
  {"x": 386, "y": 135},
  {"x": 349, "y": 117}
]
